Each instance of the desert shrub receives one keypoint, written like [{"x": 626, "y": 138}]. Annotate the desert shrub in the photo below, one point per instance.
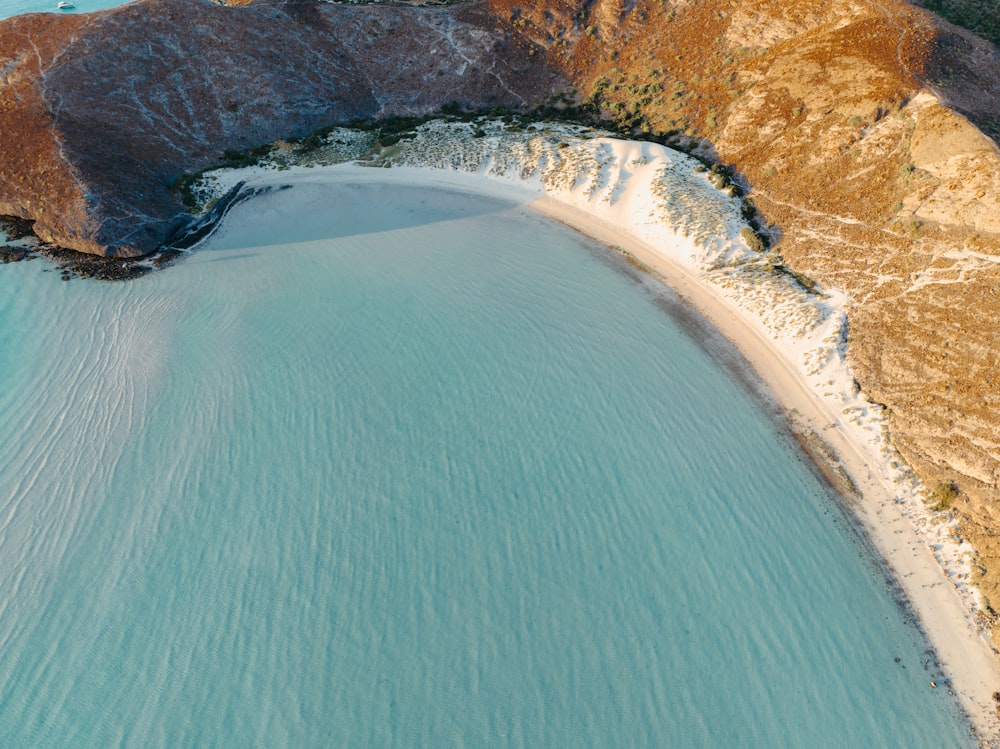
[
  {"x": 310, "y": 143},
  {"x": 238, "y": 159},
  {"x": 718, "y": 176},
  {"x": 753, "y": 240},
  {"x": 943, "y": 496},
  {"x": 184, "y": 186}
]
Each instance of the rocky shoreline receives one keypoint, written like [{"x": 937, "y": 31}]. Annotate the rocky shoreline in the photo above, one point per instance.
[{"x": 73, "y": 264}]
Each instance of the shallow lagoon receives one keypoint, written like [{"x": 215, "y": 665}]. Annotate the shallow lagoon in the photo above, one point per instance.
[{"x": 395, "y": 466}]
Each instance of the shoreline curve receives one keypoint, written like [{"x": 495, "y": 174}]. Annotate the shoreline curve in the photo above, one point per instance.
[{"x": 962, "y": 651}]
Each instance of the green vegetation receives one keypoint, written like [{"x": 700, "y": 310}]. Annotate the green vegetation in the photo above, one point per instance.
[
  {"x": 184, "y": 185},
  {"x": 943, "y": 496},
  {"x": 806, "y": 283},
  {"x": 979, "y": 16},
  {"x": 231, "y": 159},
  {"x": 310, "y": 143},
  {"x": 777, "y": 266},
  {"x": 753, "y": 240},
  {"x": 988, "y": 608},
  {"x": 386, "y": 133}
]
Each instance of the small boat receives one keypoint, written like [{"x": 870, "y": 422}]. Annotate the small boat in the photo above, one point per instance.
[{"x": 65, "y": 4}]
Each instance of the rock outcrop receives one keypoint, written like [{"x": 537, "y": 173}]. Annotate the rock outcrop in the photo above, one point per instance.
[
  {"x": 99, "y": 113},
  {"x": 857, "y": 127}
]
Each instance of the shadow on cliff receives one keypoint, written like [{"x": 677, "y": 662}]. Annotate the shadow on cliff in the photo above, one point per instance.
[
  {"x": 153, "y": 90},
  {"x": 314, "y": 211},
  {"x": 963, "y": 70}
]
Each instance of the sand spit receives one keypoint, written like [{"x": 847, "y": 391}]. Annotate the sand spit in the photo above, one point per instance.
[{"x": 664, "y": 211}]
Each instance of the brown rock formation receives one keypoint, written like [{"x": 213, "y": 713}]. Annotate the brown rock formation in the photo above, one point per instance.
[
  {"x": 853, "y": 123},
  {"x": 100, "y": 112}
]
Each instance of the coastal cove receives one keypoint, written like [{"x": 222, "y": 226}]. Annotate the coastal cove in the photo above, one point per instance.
[
  {"x": 288, "y": 356},
  {"x": 876, "y": 169},
  {"x": 766, "y": 324},
  {"x": 377, "y": 373}
]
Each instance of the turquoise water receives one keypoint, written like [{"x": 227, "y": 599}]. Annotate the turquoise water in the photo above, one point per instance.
[
  {"x": 396, "y": 467},
  {"x": 16, "y": 7}
]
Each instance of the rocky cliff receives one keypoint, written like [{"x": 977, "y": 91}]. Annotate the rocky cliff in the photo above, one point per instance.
[
  {"x": 99, "y": 113},
  {"x": 857, "y": 127}
]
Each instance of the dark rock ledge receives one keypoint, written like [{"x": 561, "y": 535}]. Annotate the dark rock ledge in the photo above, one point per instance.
[{"x": 72, "y": 263}]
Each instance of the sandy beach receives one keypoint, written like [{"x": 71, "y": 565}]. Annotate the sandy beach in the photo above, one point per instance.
[
  {"x": 882, "y": 508},
  {"x": 963, "y": 652}
]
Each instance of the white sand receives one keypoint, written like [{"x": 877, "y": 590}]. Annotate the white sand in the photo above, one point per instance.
[
  {"x": 964, "y": 652},
  {"x": 650, "y": 202}
]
